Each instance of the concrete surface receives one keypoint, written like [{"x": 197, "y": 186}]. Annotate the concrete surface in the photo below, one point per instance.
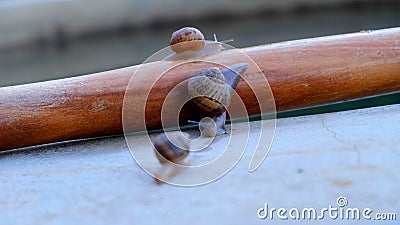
[{"x": 313, "y": 160}]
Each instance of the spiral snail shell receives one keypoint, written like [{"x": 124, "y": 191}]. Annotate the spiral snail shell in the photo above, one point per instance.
[
  {"x": 189, "y": 43},
  {"x": 171, "y": 146},
  {"x": 187, "y": 39},
  {"x": 211, "y": 90}
]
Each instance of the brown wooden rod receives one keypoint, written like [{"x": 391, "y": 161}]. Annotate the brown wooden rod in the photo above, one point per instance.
[{"x": 301, "y": 73}]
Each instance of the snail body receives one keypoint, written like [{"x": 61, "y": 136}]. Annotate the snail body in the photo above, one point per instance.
[{"x": 189, "y": 43}]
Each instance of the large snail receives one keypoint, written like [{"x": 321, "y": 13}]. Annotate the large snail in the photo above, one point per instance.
[
  {"x": 189, "y": 43},
  {"x": 211, "y": 90},
  {"x": 170, "y": 148}
]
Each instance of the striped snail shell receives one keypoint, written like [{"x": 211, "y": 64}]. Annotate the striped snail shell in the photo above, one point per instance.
[
  {"x": 171, "y": 146},
  {"x": 209, "y": 91},
  {"x": 189, "y": 43},
  {"x": 187, "y": 38}
]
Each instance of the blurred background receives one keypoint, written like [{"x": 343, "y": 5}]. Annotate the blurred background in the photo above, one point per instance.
[{"x": 50, "y": 39}]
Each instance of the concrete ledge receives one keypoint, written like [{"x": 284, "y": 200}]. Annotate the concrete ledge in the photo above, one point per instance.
[{"x": 313, "y": 160}]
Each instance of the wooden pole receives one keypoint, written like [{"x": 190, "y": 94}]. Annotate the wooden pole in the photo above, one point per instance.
[{"x": 301, "y": 73}]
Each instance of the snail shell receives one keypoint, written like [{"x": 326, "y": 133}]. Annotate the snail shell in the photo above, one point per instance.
[
  {"x": 187, "y": 38},
  {"x": 209, "y": 91},
  {"x": 189, "y": 43},
  {"x": 171, "y": 147}
]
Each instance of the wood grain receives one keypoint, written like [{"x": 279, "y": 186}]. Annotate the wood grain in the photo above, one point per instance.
[{"x": 301, "y": 73}]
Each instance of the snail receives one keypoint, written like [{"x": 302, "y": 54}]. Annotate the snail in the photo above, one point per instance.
[
  {"x": 189, "y": 43},
  {"x": 211, "y": 90},
  {"x": 207, "y": 127},
  {"x": 170, "y": 148},
  {"x": 187, "y": 38}
]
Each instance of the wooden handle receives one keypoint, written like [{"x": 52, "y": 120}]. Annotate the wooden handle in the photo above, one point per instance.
[{"x": 301, "y": 73}]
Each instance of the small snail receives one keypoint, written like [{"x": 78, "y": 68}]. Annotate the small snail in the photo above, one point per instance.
[
  {"x": 189, "y": 43},
  {"x": 207, "y": 127},
  {"x": 170, "y": 148},
  {"x": 187, "y": 39},
  {"x": 211, "y": 90}
]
